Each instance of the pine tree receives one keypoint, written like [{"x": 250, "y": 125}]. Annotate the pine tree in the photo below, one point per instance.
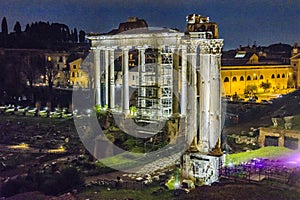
[
  {"x": 27, "y": 29},
  {"x": 81, "y": 36},
  {"x": 4, "y": 28},
  {"x": 75, "y": 36},
  {"x": 17, "y": 28}
]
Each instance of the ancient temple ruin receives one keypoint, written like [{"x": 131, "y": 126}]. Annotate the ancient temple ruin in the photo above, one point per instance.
[{"x": 177, "y": 73}]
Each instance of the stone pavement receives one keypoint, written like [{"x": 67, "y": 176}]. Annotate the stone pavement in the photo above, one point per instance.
[{"x": 157, "y": 166}]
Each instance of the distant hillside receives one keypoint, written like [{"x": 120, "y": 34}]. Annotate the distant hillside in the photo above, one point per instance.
[{"x": 287, "y": 105}]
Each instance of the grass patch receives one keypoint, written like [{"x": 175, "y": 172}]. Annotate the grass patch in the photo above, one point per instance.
[
  {"x": 123, "y": 159},
  {"x": 264, "y": 152}
]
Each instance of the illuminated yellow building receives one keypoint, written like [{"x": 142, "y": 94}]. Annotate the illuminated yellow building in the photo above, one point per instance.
[
  {"x": 78, "y": 77},
  {"x": 242, "y": 69}
]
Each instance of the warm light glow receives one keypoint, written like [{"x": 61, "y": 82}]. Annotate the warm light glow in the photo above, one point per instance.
[
  {"x": 176, "y": 185},
  {"x": 19, "y": 146},
  {"x": 49, "y": 58},
  {"x": 60, "y": 149}
]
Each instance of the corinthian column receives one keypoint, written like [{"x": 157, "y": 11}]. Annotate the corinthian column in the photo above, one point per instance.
[
  {"x": 106, "y": 75},
  {"x": 97, "y": 77},
  {"x": 142, "y": 90},
  {"x": 210, "y": 103},
  {"x": 183, "y": 80},
  {"x": 125, "y": 82},
  {"x": 192, "y": 96},
  {"x": 112, "y": 79}
]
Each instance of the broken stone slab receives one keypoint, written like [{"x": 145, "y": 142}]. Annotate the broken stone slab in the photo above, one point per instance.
[
  {"x": 288, "y": 122},
  {"x": 276, "y": 121}
]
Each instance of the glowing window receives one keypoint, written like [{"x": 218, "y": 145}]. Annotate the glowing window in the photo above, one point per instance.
[
  {"x": 261, "y": 77},
  {"x": 226, "y": 79},
  {"x": 273, "y": 76}
]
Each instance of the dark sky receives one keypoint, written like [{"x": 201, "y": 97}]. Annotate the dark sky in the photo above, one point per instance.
[{"x": 240, "y": 22}]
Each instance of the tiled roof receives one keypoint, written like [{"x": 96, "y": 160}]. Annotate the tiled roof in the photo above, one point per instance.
[{"x": 236, "y": 58}]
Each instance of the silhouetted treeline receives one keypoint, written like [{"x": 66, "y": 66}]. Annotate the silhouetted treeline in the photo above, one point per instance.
[{"x": 40, "y": 35}]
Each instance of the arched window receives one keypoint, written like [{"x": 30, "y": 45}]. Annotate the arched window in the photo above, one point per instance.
[
  {"x": 273, "y": 76},
  {"x": 234, "y": 79},
  {"x": 254, "y": 77},
  {"x": 241, "y": 78},
  {"x": 261, "y": 77},
  {"x": 278, "y": 75},
  {"x": 226, "y": 79},
  {"x": 73, "y": 74},
  {"x": 248, "y": 78},
  {"x": 283, "y": 76}
]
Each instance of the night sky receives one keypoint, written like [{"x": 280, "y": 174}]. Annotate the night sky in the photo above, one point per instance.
[{"x": 241, "y": 22}]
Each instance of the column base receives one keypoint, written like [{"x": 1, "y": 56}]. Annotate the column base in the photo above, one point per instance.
[{"x": 203, "y": 169}]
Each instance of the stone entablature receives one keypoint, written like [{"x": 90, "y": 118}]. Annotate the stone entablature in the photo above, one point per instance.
[{"x": 138, "y": 38}]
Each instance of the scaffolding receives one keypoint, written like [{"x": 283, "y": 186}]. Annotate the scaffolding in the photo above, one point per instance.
[{"x": 156, "y": 85}]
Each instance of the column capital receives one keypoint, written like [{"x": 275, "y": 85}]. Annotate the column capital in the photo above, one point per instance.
[
  {"x": 193, "y": 45},
  {"x": 99, "y": 48},
  {"x": 113, "y": 48},
  {"x": 142, "y": 47},
  {"x": 125, "y": 48},
  {"x": 96, "y": 48},
  {"x": 183, "y": 47},
  {"x": 211, "y": 46}
]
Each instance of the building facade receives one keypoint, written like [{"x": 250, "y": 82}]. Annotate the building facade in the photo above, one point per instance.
[
  {"x": 78, "y": 76},
  {"x": 251, "y": 67},
  {"x": 236, "y": 79}
]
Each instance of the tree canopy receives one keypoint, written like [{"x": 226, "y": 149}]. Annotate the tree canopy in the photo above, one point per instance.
[{"x": 40, "y": 35}]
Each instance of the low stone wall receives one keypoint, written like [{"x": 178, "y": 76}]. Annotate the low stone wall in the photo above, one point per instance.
[{"x": 279, "y": 133}]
